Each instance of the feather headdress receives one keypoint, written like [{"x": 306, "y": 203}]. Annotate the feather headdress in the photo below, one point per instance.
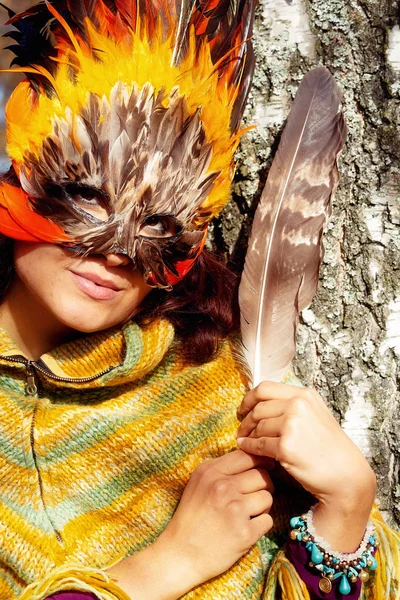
[
  {"x": 132, "y": 105},
  {"x": 285, "y": 248}
]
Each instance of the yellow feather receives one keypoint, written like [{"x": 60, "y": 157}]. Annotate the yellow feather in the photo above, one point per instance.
[{"x": 135, "y": 58}]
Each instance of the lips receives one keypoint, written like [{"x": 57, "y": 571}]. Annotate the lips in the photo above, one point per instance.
[
  {"x": 95, "y": 286},
  {"x": 103, "y": 282}
]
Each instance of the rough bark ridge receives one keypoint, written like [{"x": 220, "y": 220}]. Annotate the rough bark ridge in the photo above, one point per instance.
[{"x": 349, "y": 339}]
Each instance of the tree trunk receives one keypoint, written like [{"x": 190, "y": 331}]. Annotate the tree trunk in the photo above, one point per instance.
[{"x": 349, "y": 339}]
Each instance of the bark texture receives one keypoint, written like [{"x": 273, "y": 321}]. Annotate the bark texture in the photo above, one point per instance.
[{"x": 349, "y": 339}]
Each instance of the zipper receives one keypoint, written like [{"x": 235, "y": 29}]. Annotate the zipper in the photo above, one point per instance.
[
  {"x": 32, "y": 366},
  {"x": 31, "y": 390},
  {"x": 57, "y": 534},
  {"x": 31, "y": 387}
]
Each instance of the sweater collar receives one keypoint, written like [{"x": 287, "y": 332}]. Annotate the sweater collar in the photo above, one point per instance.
[{"x": 111, "y": 357}]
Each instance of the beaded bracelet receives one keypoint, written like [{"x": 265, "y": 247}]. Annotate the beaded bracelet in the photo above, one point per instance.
[{"x": 332, "y": 565}]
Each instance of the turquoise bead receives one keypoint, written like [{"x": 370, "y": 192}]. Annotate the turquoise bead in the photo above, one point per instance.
[
  {"x": 344, "y": 586},
  {"x": 316, "y": 555},
  {"x": 374, "y": 563},
  {"x": 296, "y": 522}
]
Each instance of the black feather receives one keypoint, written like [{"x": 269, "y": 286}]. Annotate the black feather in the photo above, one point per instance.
[
  {"x": 35, "y": 42},
  {"x": 11, "y": 13}
]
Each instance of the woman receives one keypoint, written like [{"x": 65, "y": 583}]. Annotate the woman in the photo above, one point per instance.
[{"x": 119, "y": 456}]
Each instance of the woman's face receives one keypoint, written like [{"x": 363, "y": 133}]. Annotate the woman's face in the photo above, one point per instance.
[{"x": 84, "y": 294}]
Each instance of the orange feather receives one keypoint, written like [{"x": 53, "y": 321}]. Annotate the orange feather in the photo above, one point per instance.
[
  {"x": 9, "y": 228},
  {"x": 19, "y": 221}
]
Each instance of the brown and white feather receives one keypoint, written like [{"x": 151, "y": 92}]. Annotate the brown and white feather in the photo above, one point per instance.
[{"x": 281, "y": 270}]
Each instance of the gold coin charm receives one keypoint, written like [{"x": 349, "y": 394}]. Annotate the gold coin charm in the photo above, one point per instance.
[{"x": 325, "y": 585}]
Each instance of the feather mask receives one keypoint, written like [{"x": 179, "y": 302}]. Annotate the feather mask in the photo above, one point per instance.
[
  {"x": 285, "y": 250},
  {"x": 123, "y": 134}
]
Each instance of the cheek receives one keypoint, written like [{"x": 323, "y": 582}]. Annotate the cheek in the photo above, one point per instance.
[
  {"x": 36, "y": 271},
  {"x": 131, "y": 299},
  {"x": 44, "y": 271}
]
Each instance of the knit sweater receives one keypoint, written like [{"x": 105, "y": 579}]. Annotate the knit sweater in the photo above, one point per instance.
[{"x": 97, "y": 442}]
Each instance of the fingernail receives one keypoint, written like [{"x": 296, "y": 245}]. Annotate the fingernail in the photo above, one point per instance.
[{"x": 239, "y": 441}]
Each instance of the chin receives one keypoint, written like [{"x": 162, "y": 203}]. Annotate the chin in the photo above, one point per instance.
[{"x": 89, "y": 319}]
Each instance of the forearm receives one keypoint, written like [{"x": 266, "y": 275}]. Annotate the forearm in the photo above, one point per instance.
[
  {"x": 159, "y": 572},
  {"x": 341, "y": 519}
]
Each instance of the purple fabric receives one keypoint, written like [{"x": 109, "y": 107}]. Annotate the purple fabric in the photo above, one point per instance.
[
  {"x": 299, "y": 557},
  {"x": 72, "y": 596}
]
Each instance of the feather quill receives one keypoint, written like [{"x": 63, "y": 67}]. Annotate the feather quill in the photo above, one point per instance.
[
  {"x": 280, "y": 275},
  {"x": 186, "y": 9}
]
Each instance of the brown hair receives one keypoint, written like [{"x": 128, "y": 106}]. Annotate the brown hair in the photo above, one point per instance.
[
  {"x": 202, "y": 307},
  {"x": 6, "y": 264}
]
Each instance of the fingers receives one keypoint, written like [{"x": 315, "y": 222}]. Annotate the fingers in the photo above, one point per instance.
[
  {"x": 259, "y": 422},
  {"x": 260, "y": 525},
  {"x": 263, "y": 446},
  {"x": 268, "y": 390},
  {"x": 257, "y": 503},
  {"x": 254, "y": 481},
  {"x": 237, "y": 462}
]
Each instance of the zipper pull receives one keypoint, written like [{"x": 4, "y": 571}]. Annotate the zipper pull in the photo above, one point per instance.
[{"x": 31, "y": 387}]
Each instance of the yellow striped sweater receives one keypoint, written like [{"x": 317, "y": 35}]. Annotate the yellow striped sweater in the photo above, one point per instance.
[{"x": 97, "y": 442}]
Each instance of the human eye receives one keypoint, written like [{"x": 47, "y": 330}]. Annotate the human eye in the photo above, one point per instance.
[
  {"x": 89, "y": 199},
  {"x": 160, "y": 226}
]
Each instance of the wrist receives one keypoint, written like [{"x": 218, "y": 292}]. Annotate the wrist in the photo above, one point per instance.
[
  {"x": 159, "y": 572},
  {"x": 341, "y": 519},
  {"x": 355, "y": 495},
  {"x": 180, "y": 572}
]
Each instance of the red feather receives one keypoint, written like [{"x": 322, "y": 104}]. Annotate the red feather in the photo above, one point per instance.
[
  {"x": 128, "y": 9},
  {"x": 184, "y": 266}
]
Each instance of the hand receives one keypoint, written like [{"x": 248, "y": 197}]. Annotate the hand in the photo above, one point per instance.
[
  {"x": 223, "y": 512},
  {"x": 294, "y": 426}
]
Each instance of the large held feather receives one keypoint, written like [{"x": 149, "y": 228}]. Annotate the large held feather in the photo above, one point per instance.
[{"x": 285, "y": 249}]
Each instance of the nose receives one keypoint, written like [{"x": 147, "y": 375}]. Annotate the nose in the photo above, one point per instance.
[{"x": 116, "y": 260}]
